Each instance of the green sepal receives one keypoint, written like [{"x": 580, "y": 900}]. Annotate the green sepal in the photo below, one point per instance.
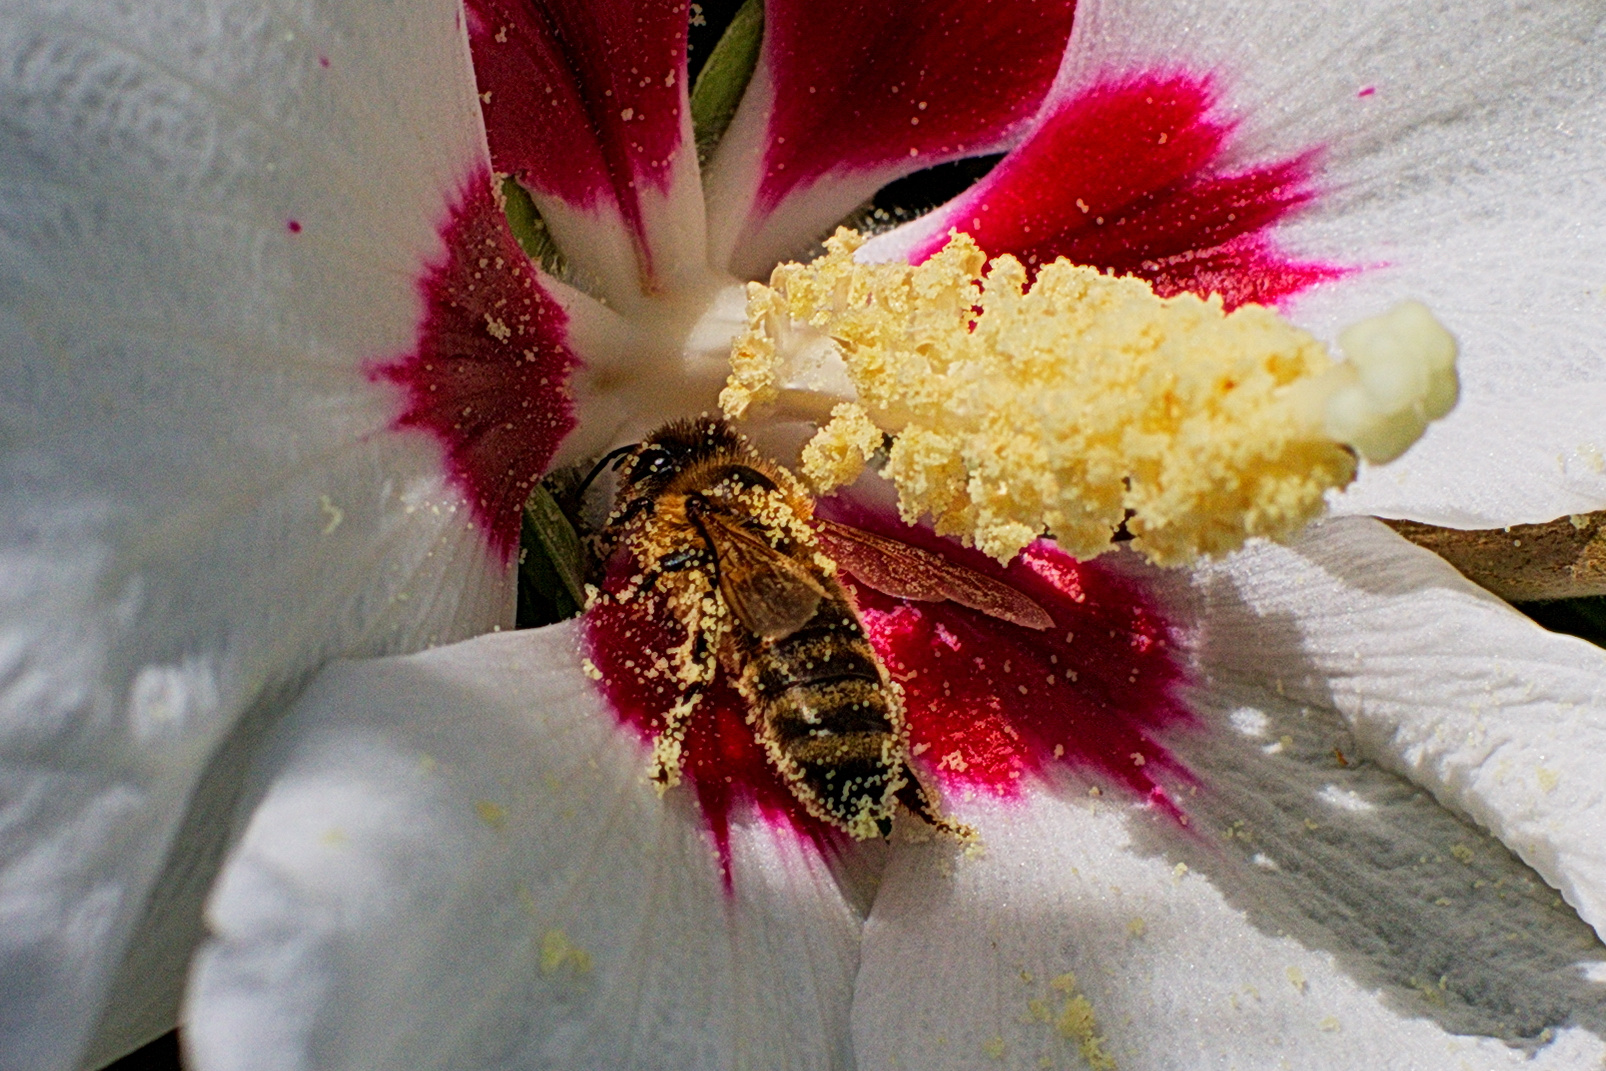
[
  {"x": 551, "y": 576},
  {"x": 529, "y": 229},
  {"x": 724, "y": 78}
]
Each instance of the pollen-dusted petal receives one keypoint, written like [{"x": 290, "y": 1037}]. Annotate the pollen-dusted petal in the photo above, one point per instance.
[
  {"x": 213, "y": 217},
  {"x": 456, "y": 862},
  {"x": 1088, "y": 933},
  {"x": 1084, "y": 401},
  {"x": 995, "y": 708},
  {"x": 488, "y": 379},
  {"x": 846, "y": 101},
  {"x": 586, "y": 105},
  {"x": 1315, "y": 907}
]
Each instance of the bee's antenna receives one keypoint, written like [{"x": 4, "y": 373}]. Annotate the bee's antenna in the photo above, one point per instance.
[{"x": 602, "y": 463}]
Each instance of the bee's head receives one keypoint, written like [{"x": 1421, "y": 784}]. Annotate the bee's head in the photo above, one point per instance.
[{"x": 673, "y": 448}]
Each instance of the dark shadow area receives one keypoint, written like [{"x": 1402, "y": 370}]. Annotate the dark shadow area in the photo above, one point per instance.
[
  {"x": 160, "y": 1055},
  {"x": 709, "y": 18},
  {"x": 919, "y": 193},
  {"x": 1584, "y": 618},
  {"x": 908, "y": 198}
]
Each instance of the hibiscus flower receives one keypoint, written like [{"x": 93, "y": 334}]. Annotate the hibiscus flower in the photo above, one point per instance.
[{"x": 279, "y": 380}]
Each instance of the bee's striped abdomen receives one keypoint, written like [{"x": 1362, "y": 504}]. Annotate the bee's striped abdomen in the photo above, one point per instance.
[{"x": 823, "y": 706}]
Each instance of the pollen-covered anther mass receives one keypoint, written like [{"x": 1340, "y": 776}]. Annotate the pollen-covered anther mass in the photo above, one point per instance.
[{"x": 1076, "y": 401}]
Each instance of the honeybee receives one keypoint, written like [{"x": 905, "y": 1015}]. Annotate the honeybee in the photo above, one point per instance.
[{"x": 726, "y": 538}]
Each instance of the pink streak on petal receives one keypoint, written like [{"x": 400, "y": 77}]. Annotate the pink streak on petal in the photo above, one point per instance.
[
  {"x": 862, "y": 87},
  {"x": 1128, "y": 176},
  {"x": 1367, "y": 91},
  {"x": 993, "y": 707},
  {"x": 293, "y": 226},
  {"x": 487, "y": 376},
  {"x": 584, "y": 97}
]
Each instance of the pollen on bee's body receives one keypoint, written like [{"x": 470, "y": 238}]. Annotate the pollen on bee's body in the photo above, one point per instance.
[{"x": 1078, "y": 401}]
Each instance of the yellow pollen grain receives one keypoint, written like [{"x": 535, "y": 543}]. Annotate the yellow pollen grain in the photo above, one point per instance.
[
  {"x": 1065, "y": 406},
  {"x": 558, "y": 953},
  {"x": 334, "y": 514},
  {"x": 1077, "y": 1022},
  {"x": 490, "y": 813}
]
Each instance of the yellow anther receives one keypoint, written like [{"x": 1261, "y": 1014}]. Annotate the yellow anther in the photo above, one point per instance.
[{"x": 837, "y": 454}]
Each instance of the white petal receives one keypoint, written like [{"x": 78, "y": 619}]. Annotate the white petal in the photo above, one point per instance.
[
  {"x": 1462, "y": 164},
  {"x": 459, "y": 863},
  {"x": 976, "y": 962},
  {"x": 1438, "y": 680},
  {"x": 148, "y": 987},
  {"x": 213, "y": 217},
  {"x": 1531, "y": 457}
]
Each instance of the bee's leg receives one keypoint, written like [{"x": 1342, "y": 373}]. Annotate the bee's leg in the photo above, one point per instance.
[
  {"x": 684, "y": 558},
  {"x": 666, "y": 747},
  {"x": 648, "y": 582},
  {"x": 914, "y": 796},
  {"x": 696, "y": 672},
  {"x": 621, "y": 518},
  {"x": 613, "y": 531}
]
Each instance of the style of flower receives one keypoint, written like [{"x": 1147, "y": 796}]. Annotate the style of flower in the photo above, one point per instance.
[{"x": 278, "y": 379}]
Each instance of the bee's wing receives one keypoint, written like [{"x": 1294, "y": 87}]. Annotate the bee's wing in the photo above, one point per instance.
[
  {"x": 907, "y": 572},
  {"x": 772, "y": 595}
]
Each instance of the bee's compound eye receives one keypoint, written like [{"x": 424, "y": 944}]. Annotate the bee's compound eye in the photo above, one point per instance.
[{"x": 652, "y": 461}]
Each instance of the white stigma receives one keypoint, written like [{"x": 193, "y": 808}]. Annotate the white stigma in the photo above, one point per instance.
[{"x": 1400, "y": 376}]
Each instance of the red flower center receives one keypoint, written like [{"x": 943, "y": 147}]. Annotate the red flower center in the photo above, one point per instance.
[{"x": 486, "y": 378}]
